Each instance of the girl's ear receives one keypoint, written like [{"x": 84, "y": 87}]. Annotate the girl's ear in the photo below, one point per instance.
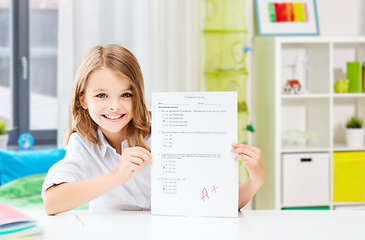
[{"x": 82, "y": 101}]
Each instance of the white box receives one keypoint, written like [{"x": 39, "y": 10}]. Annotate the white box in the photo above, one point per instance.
[{"x": 306, "y": 179}]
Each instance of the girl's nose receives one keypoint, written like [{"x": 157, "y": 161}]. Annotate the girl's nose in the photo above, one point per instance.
[{"x": 115, "y": 106}]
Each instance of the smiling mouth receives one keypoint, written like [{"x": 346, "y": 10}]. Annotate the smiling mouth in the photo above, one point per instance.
[{"x": 113, "y": 117}]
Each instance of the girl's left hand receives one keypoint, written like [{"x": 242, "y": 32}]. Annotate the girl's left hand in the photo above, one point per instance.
[{"x": 252, "y": 160}]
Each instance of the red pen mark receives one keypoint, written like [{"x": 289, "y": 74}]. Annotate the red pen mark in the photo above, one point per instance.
[
  {"x": 204, "y": 195},
  {"x": 205, "y": 192},
  {"x": 214, "y": 189}
]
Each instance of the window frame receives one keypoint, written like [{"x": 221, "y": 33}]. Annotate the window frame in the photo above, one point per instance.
[{"x": 20, "y": 47}]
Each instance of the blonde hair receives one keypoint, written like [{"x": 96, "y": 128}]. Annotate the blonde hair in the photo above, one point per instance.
[{"x": 122, "y": 62}]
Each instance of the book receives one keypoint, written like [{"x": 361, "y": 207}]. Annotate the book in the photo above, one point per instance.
[
  {"x": 363, "y": 77},
  {"x": 15, "y": 224},
  {"x": 354, "y": 75}
]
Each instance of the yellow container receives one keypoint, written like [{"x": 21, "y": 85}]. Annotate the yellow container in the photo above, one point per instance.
[{"x": 349, "y": 177}]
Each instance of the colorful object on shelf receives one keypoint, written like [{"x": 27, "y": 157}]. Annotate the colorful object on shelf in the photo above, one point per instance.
[
  {"x": 26, "y": 141},
  {"x": 363, "y": 77},
  {"x": 354, "y": 122},
  {"x": 292, "y": 87},
  {"x": 354, "y": 75},
  {"x": 341, "y": 86},
  {"x": 348, "y": 177},
  {"x": 287, "y": 12},
  {"x": 297, "y": 138}
]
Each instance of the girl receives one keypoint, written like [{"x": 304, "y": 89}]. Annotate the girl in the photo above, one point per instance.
[{"x": 108, "y": 141}]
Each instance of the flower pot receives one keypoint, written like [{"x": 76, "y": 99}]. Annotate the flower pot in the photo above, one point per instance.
[
  {"x": 4, "y": 141},
  {"x": 355, "y": 137}
]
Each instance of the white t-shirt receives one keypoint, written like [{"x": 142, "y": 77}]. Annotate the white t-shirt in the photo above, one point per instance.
[{"x": 85, "y": 161}]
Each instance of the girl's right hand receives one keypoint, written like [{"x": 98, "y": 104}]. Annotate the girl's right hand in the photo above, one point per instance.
[{"x": 132, "y": 161}]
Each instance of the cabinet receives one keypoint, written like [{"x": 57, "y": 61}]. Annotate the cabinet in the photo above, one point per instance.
[{"x": 303, "y": 124}]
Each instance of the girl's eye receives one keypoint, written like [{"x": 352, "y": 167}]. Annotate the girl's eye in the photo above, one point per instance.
[
  {"x": 101, "y": 95},
  {"x": 126, "y": 95}
]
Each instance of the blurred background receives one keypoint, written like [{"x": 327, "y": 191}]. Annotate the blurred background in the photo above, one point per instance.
[{"x": 182, "y": 45}]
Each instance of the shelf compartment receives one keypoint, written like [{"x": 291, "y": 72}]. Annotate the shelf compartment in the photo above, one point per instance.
[
  {"x": 343, "y": 109},
  {"x": 304, "y": 124},
  {"x": 343, "y": 53},
  {"x": 318, "y": 80}
]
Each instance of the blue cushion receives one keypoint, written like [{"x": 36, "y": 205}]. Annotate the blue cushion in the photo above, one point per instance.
[{"x": 14, "y": 165}]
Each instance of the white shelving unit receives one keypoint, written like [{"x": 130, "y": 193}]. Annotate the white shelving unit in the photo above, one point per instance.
[{"x": 320, "y": 111}]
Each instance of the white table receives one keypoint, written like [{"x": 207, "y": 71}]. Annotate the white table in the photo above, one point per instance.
[{"x": 256, "y": 224}]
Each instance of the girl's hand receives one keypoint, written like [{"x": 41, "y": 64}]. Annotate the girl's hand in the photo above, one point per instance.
[
  {"x": 132, "y": 161},
  {"x": 253, "y": 161}
]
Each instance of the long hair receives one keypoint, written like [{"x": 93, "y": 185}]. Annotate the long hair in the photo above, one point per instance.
[{"x": 122, "y": 62}]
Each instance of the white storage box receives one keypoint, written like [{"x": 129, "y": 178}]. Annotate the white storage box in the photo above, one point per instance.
[{"x": 306, "y": 179}]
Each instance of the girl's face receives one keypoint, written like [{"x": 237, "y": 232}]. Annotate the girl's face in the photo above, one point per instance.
[{"x": 108, "y": 98}]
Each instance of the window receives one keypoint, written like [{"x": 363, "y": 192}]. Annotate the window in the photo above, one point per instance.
[{"x": 28, "y": 68}]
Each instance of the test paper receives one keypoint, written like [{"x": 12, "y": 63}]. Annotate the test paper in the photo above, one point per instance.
[{"x": 193, "y": 171}]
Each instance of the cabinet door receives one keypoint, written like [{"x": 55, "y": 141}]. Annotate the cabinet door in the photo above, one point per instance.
[{"x": 305, "y": 179}]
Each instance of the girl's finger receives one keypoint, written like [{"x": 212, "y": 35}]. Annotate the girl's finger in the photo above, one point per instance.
[
  {"x": 242, "y": 157},
  {"x": 246, "y": 151},
  {"x": 142, "y": 150},
  {"x": 134, "y": 167},
  {"x": 137, "y": 161},
  {"x": 245, "y": 146},
  {"x": 141, "y": 154},
  {"x": 247, "y": 164}
]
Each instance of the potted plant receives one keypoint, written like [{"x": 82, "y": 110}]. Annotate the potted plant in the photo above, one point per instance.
[
  {"x": 354, "y": 132},
  {"x": 4, "y": 136}
]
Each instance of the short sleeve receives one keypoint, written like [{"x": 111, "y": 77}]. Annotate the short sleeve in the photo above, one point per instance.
[
  {"x": 71, "y": 168},
  {"x": 147, "y": 141}
]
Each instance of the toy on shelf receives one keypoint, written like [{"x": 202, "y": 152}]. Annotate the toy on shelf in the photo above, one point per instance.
[
  {"x": 296, "y": 74},
  {"x": 292, "y": 87},
  {"x": 296, "y": 138},
  {"x": 306, "y": 68},
  {"x": 341, "y": 86}
]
